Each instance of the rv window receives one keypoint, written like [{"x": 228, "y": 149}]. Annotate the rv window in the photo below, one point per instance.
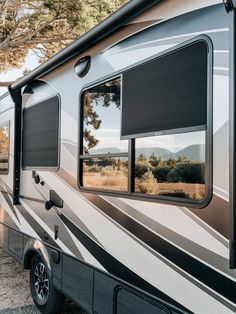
[
  {"x": 171, "y": 165},
  {"x": 167, "y": 93},
  {"x": 104, "y": 157},
  {"x": 4, "y": 148},
  {"x": 162, "y": 150},
  {"x": 40, "y": 141}
]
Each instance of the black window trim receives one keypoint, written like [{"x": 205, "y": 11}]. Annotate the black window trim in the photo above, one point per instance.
[
  {"x": 176, "y": 201},
  {"x": 4, "y": 124},
  {"x": 53, "y": 169}
]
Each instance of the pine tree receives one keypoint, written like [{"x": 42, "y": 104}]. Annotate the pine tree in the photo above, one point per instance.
[{"x": 45, "y": 26}]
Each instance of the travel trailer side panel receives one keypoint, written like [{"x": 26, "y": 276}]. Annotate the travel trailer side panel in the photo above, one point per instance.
[{"x": 102, "y": 247}]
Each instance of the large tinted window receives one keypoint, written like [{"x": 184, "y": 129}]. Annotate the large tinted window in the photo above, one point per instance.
[
  {"x": 155, "y": 143},
  {"x": 41, "y": 125},
  {"x": 4, "y": 148},
  {"x": 167, "y": 93}
]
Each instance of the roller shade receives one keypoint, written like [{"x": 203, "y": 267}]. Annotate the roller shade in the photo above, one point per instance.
[
  {"x": 40, "y": 139},
  {"x": 166, "y": 93}
]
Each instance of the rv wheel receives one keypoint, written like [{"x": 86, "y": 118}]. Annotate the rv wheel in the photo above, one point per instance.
[{"x": 45, "y": 296}]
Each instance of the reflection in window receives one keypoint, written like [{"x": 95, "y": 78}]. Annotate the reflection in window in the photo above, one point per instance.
[
  {"x": 4, "y": 148},
  {"x": 106, "y": 173},
  {"x": 171, "y": 165},
  {"x": 105, "y": 156},
  {"x": 102, "y": 119}
]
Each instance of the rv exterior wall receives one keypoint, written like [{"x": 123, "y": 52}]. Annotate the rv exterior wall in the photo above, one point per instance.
[{"x": 124, "y": 249}]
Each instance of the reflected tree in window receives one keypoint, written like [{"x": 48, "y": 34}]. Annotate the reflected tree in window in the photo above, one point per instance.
[
  {"x": 165, "y": 173},
  {"x": 101, "y": 136},
  {"x": 104, "y": 95}
]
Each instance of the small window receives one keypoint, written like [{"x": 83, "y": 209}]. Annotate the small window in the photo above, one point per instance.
[
  {"x": 104, "y": 157},
  {"x": 41, "y": 130},
  {"x": 4, "y": 148},
  {"x": 157, "y": 145}
]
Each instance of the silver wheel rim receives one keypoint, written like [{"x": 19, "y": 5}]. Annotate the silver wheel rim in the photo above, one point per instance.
[{"x": 41, "y": 282}]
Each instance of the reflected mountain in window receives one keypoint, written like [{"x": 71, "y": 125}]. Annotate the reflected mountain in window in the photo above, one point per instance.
[{"x": 164, "y": 173}]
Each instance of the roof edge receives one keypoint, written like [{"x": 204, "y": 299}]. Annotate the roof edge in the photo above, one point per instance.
[{"x": 108, "y": 26}]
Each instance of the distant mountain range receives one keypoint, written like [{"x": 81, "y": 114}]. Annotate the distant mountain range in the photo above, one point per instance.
[{"x": 193, "y": 152}]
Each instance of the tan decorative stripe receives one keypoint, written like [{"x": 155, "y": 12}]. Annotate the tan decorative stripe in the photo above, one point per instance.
[{"x": 216, "y": 214}]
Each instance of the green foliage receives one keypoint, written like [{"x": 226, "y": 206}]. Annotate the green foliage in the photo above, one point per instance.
[
  {"x": 105, "y": 95},
  {"x": 176, "y": 193},
  {"x": 94, "y": 168},
  {"x": 160, "y": 173},
  {"x": 171, "y": 170},
  {"x": 187, "y": 172},
  {"x": 90, "y": 140},
  {"x": 148, "y": 183},
  {"x": 46, "y": 26},
  {"x": 141, "y": 167}
]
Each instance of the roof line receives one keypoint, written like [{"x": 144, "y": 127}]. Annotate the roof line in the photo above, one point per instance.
[{"x": 119, "y": 18}]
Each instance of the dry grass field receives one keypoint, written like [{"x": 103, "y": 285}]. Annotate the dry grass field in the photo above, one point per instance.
[
  {"x": 118, "y": 181},
  {"x": 194, "y": 190},
  {"x": 111, "y": 180}
]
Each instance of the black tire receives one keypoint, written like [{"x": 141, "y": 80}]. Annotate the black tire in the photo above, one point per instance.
[{"x": 47, "y": 299}]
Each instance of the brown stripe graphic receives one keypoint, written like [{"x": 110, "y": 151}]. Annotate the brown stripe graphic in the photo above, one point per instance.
[{"x": 216, "y": 214}]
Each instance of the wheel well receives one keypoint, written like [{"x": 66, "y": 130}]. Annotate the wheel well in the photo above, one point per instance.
[{"x": 28, "y": 257}]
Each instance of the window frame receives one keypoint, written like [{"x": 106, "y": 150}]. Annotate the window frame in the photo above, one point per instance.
[
  {"x": 131, "y": 194},
  {"x": 4, "y": 124},
  {"x": 81, "y": 156},
  {"x": 42, "y": 168}
]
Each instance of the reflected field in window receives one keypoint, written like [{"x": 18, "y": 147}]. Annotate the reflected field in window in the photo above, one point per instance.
[
  {"x": 173, "y": 167},
  {"x": 106, "y": 173}
]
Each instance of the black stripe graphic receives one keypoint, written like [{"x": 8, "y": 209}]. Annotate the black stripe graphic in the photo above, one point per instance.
[
  {"x": 199, "y": 252},
  {"x": 175, "y": 238},
  {"x": 37, "y": 227},
  {"x": 32, "y": 222},
  {"x": 161, "y": 246},
  {"x": 49, "y": 219},
  {"x": 200, "y": 271},
  {"x": 115, "y": 267},
  {"x": 7, "y": 199}
]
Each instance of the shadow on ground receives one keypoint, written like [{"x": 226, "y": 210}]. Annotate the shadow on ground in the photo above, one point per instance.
[
  {"x": 69, "y": 308},
  {"x": 15, "y": 297}
]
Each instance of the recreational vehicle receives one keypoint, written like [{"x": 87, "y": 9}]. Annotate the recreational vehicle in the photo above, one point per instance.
[{"x": 117, "y": 163}]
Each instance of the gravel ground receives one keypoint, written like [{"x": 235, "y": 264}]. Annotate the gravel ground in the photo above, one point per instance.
[{"x": 15, "y": 294}]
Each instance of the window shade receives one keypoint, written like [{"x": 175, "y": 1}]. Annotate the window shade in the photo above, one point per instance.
[
  {"x": 41, "y": 134},
  {"x": 167, "y": 93}
]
